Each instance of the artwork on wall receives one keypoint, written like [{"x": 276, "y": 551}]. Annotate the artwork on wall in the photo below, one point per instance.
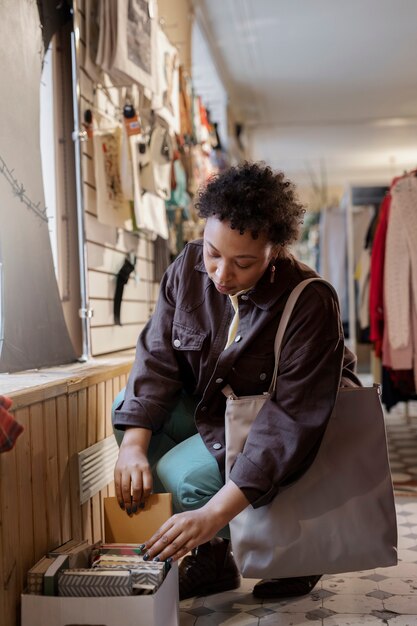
[
  {"x": 112, "y": 206},
  {"x": 136, "y": 42}
]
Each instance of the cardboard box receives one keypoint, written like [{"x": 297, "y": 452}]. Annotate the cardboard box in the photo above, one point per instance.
[
  {"x": 119, "y": 528},
  {"x": 158, "y": 609}
]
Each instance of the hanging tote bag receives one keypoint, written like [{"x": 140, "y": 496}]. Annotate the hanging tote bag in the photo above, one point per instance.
[{"x": 340, "y": 515}]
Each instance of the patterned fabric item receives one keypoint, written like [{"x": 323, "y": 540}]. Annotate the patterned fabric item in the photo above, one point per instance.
[{"x": 9, "y": 428}]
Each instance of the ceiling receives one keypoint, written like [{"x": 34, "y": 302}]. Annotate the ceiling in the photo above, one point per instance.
[{"x": 330, "y": 79}]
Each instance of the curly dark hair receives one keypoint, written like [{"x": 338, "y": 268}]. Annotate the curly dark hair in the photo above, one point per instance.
[{"x": 251, "y": 196}]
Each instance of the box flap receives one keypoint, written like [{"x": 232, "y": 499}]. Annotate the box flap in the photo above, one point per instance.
[{"x": 120, "y": 528}]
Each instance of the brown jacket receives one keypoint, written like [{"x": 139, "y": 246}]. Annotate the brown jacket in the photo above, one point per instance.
[{"x": 182, "y": 347}]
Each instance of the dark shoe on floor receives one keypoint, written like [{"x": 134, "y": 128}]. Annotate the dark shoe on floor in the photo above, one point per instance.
[
  {"x": 285, "y": 587},
  {"x": 209, "y": 569}
]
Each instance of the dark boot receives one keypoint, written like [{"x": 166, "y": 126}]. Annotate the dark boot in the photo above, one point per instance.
[
  {"x": 210, "y": 568},
  {"x": 285, "y": 587}
]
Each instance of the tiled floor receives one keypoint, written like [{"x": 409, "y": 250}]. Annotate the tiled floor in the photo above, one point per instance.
[
  {"x": 402, "y": 444},
  {"x": 383, "y": 596}
]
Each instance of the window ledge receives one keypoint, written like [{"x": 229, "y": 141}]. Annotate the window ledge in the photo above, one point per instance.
[{"x": 31, "y": 386}]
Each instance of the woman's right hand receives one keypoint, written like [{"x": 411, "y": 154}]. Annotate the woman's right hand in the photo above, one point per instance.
[{"x": 132, "y": 473}]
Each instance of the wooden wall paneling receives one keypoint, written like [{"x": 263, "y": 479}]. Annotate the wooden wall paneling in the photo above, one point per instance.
[
  {"x": 87, "y": 162},
  {"x": 86, "y": 520},
  {"x": 116, "y": 388},
  {"x": 100, "y": 233},
  {"x": 92, "y": 415},
  {"x": 9, "y": 536},
  {"x": 101, "y": 434},
  {"x": 109, "y": 398},
  {"x": 25, "y": 496},
  {"x": 52, "y": 475},
  {"x": 130, "y": 312},
  {"x": 90, "y": 198},
  {"x": 86, "y": 91},
  {"x": 76, "y": 527},
  {"x": 40, "y": 520},
  {"x": 63, "y": 467},
  {"x": 114, "y": 338},
  {"x": 100, "y": 257},
  {"x": 143, "y": 270},
  {"x": 103, "y": 285},
  {"x": 101, "y": 416}
]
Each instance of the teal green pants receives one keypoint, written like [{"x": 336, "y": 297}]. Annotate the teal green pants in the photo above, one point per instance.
[{"x": 180, "y": 462}]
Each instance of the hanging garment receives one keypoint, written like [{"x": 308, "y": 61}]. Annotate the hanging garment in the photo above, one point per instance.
[
  {"x": 376, "y": 286},
  {"x": 333, "y": 254},
  {"x": 149, "y": 209},
  {"x": 179, "y": 195},
  {"x": 400, "y": 277},
  {"x": 121, "y": 280},
  {"x": 162, "y": 258},
  {"x": 186, "y": 125},
  {"x": 126, "y": 169},
  {"x": 155, "y": 174},
  {"x": 166, "y": 99},
  {"x": 362, "y": 275}
]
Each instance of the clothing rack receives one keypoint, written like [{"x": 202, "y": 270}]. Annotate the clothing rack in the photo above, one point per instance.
[{"x": 357, "y": 196}]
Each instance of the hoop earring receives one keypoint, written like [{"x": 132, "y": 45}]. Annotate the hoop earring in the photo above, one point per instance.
[{"x": 272, "y": 274}]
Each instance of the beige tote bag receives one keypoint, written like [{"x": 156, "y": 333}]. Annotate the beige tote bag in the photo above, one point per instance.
[{"x": 340, "y": 515}]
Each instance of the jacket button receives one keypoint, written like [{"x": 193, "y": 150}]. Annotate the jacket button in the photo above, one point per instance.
[
  {"x": 217, "y": 446},
  {"x": 219, "y": 380},
  {"x": 244, "y": 297},
  {"x": 238, "y": 338},
  {"x": 177, "y": 343},
  {"x": 203, "y": 409},
  {"x": 262, "y": 376}
]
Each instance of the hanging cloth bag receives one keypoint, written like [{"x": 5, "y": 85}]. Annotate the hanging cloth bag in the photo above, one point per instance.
[{"x": 340, "y": 515}]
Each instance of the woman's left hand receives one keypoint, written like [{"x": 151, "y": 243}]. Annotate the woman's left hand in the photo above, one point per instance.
[{"x": 180, "y": 534}]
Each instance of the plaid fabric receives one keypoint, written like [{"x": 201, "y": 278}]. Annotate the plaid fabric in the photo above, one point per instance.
[{"x": 9, "y": 428}]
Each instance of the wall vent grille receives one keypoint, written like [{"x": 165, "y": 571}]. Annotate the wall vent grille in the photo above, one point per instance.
[{"x": 96, "y": 467}]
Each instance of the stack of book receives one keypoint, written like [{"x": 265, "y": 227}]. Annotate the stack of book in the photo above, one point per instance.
[
  {"x": 116, "y": 569},
  {"x": 36, "y": 575},
  {"x": 80, "y": 569},
  {"x": 147, "y": 576},
  {"x": 78, "y": 552},
  {"x": 42, "y": 578}
]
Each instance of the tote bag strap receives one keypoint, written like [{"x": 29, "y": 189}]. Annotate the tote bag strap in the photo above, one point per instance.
[{"x": 288, "y": 309}]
